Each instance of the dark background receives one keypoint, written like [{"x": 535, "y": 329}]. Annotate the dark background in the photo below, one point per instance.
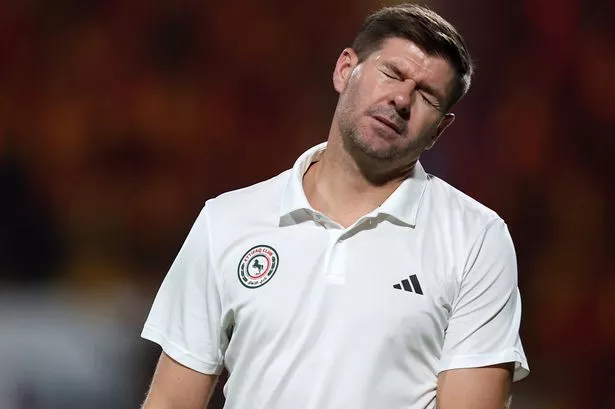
[{"x": 118, "y": 119}]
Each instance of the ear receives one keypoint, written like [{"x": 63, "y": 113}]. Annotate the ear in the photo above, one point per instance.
[
  {"x": 445, "y": 122},
  {"x": 344, "y": 66}
]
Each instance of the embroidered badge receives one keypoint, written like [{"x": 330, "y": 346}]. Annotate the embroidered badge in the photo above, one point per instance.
[{"x": 257, "y": 266}]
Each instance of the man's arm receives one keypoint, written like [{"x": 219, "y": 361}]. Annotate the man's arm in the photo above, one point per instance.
[
  {"x": 175, "y": 386},
  {"x": 475, "y": 388}
]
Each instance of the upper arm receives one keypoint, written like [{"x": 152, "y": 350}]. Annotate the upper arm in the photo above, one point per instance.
[
  {"x": 187, "y": 318},
  {"x": 483, "y": 329},
  {"x": 175, "y": 386},
  {"x": 475, "y": 388}
]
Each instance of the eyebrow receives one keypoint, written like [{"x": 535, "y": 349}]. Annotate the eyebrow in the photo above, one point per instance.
[{"x": 420, "y": 85}]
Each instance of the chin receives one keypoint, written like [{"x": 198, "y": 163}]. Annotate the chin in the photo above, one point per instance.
[{"x": 376, "y": 148}]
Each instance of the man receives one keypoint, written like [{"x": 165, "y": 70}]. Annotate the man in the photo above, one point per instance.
[{"x": 353, "y": 280}]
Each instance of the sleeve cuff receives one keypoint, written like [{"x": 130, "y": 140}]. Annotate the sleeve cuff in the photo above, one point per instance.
[
  {"x": 476, "y": 361},
  {"x": 179, "y": 354}
]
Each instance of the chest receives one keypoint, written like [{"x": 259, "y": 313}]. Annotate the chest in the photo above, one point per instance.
[{"x": 388, "y": 281}]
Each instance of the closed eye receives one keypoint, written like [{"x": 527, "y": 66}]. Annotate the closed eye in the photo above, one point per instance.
[
  {"x": 430, "y": 96},
  {"x": 392, "y": 76},
  {"x": 429, "y": 99}
]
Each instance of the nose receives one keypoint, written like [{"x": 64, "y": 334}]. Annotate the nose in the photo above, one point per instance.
[{"x": 402, "y": 98}]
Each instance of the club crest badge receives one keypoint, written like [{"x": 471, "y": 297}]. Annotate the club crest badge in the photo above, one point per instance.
[{"x": 257, "y": 266}]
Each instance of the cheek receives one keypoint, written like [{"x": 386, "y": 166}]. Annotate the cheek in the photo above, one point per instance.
[
  {"x": 360, "y": 95},
  {"x": 423, "y": 126},
  {"x": 351, "y": 100}
]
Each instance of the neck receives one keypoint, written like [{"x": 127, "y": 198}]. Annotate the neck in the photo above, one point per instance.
[{"x": 337, "y": 186}]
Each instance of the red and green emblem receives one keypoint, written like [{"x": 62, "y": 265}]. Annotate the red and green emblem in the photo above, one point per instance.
[{"x": 257, "y": 266}]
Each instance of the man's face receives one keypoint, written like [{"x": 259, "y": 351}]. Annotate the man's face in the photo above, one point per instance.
[{"x": 392, "y": 105}]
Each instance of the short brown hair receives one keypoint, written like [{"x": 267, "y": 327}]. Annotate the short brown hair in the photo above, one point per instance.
[{"x": 426, "y": 29}]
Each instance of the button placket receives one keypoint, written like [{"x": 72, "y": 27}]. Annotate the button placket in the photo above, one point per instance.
[{"x": 335, "y": 272}]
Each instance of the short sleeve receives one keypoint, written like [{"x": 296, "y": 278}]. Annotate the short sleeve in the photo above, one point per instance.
[
  {"x": 484, "y": 325},
  {"x": 186, "y": 316}
]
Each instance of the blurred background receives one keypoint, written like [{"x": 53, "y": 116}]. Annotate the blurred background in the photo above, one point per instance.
[{"x": 118, "y": 119}]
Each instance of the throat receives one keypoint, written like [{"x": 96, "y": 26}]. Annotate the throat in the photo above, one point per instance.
[{"x": 342, "y": 196}]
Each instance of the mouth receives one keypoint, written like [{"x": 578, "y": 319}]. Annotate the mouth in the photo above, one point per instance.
[{"x": 388, "y": 123}]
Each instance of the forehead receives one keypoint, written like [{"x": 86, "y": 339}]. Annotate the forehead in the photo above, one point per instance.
[{"x": 413, "y": 60}]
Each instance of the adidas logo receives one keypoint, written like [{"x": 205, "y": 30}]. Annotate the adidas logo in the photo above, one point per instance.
[{"x": 409, "y": 285}]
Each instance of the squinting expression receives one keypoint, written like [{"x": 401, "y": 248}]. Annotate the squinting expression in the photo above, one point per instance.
[{"x": 392, "y": 105}]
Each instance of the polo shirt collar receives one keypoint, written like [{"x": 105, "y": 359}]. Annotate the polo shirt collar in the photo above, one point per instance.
[{"x": 403, "y": 204}]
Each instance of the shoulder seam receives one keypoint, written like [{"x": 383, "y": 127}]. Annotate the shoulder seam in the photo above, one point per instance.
[{"x": 481, "y": 233}]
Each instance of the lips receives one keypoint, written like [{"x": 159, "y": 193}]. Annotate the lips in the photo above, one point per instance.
[{"x": 388, "y": 122}]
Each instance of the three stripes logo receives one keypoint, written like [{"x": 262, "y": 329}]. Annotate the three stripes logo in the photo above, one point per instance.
[{"x": 410, "y": 286}]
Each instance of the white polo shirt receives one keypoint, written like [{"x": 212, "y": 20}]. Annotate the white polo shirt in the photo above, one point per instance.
[{"x": 307, "y": 314}]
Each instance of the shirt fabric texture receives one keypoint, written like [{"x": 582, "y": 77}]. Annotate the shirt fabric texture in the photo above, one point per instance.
[{"x": 307, "y": 314}]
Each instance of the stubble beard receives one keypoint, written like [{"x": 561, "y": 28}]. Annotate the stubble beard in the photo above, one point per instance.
[
  {"x": 380, "y": 165},
  {"x": 353, "y": 142},
  {"x": 356, "y": 143},
  {"x": 377, "y": 165}
]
